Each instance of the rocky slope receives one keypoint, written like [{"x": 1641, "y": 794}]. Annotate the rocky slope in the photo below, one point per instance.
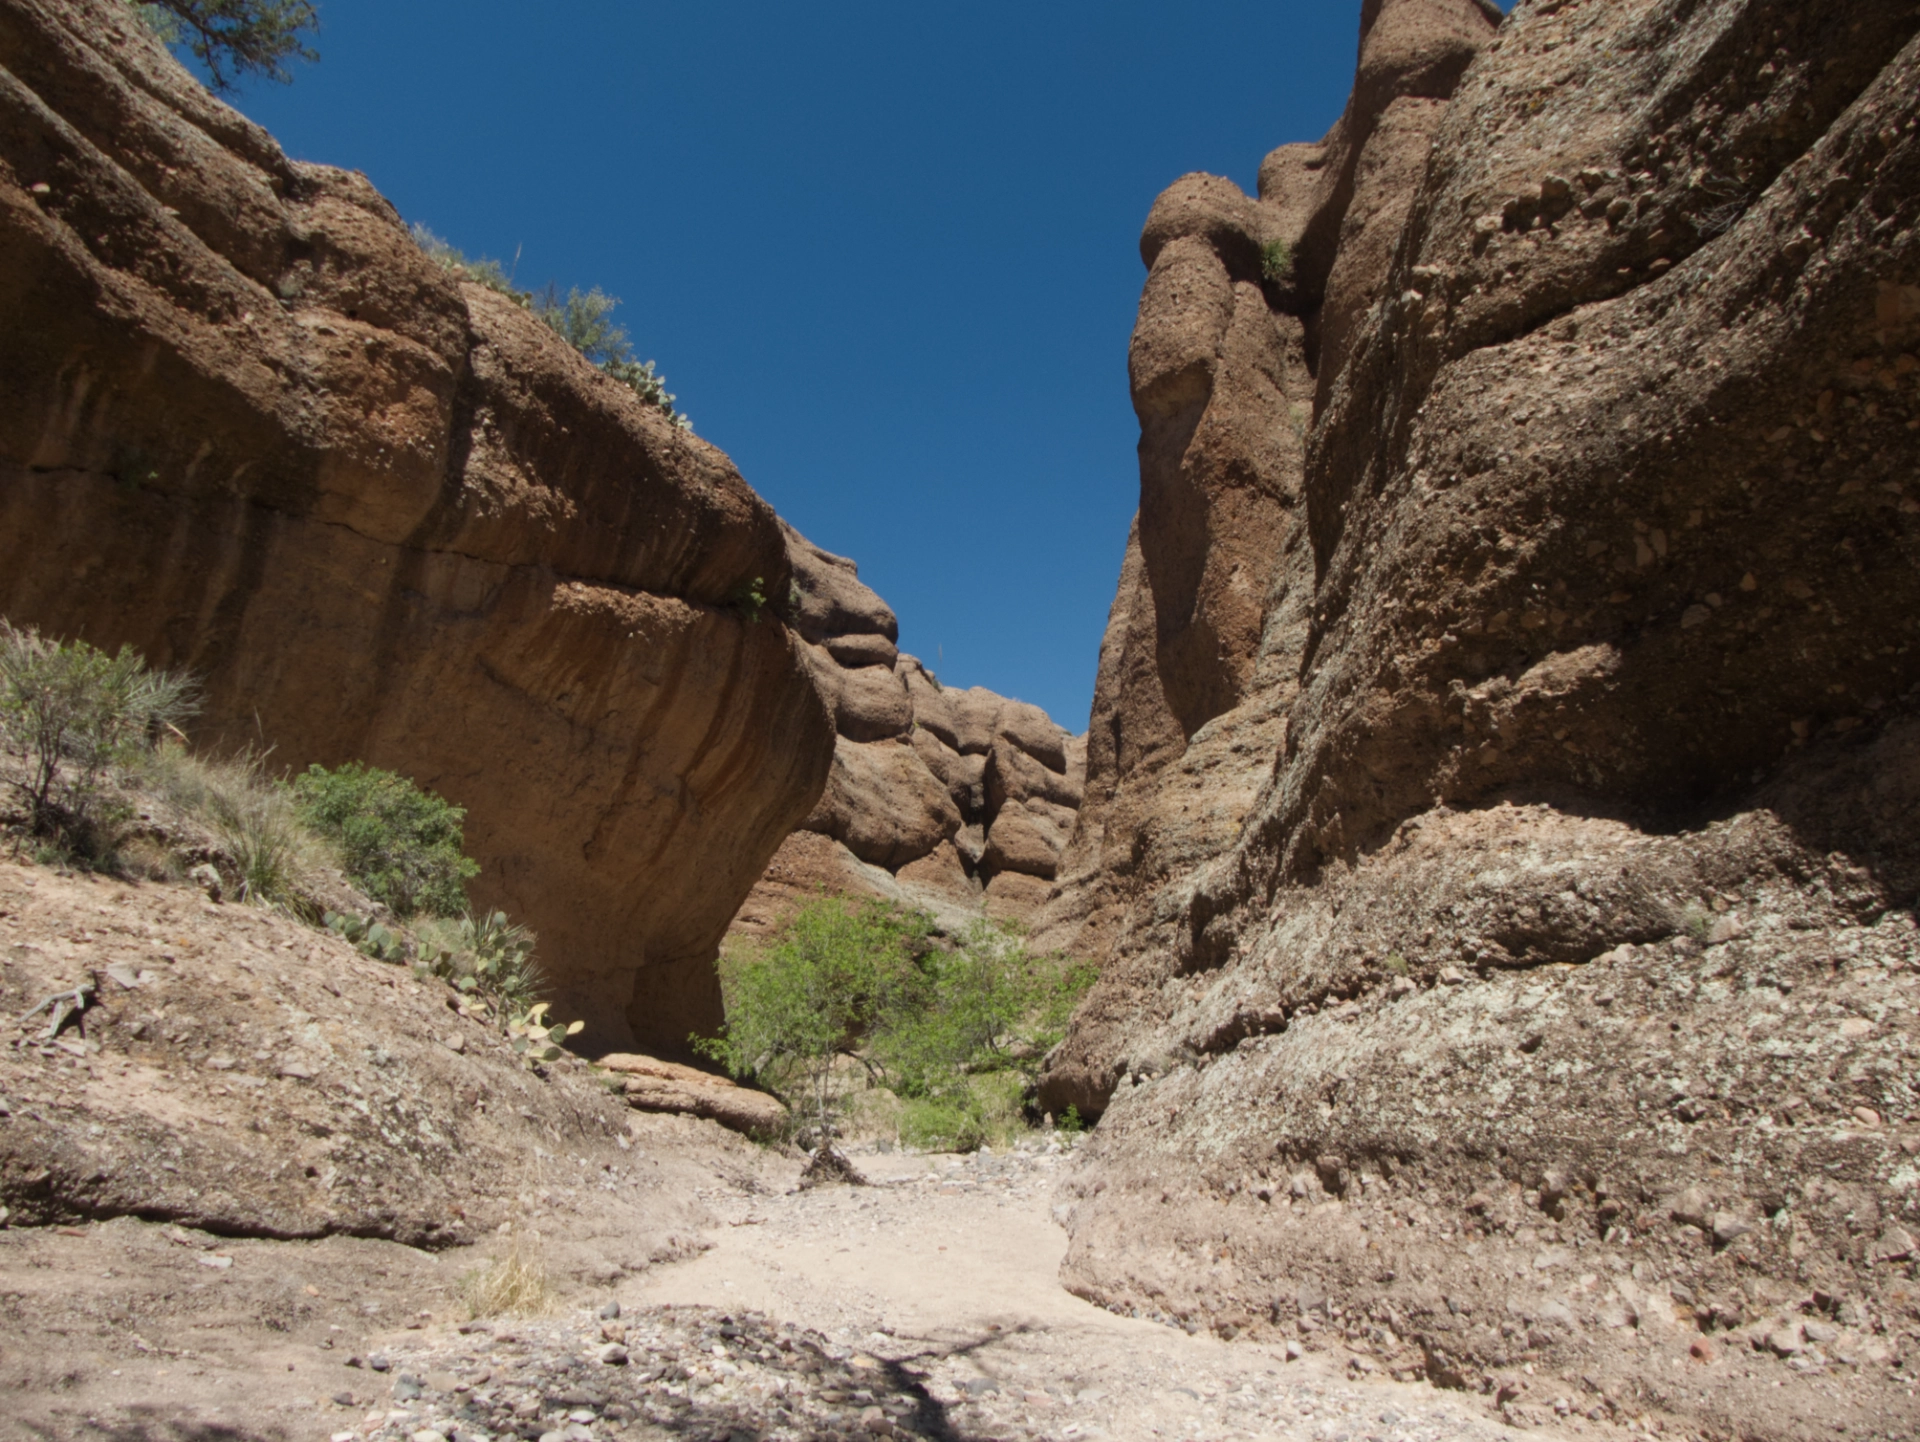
[
  {"x": 251, "y": 430},
  {"x": 956, "y": 801},
  {"x": 1500, "y": 834}
]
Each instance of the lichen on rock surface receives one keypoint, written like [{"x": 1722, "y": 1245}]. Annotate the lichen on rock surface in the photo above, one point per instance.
[
  {"x": 253, "y": 431},
  {"x": 1506, "y": 916}
]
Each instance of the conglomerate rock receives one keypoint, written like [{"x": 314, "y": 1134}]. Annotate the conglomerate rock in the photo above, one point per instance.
[
  {"x": 955, "y": 802},
  {"x": 249, "y": 428},
  {"x": 1507, "y": 914}
]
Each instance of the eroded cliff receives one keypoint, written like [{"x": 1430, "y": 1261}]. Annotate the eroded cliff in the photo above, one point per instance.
[
  {"x": 249, "y": 428},
  {"x": 958, "y": 802},
  {"x": 1500, "y": 837}
]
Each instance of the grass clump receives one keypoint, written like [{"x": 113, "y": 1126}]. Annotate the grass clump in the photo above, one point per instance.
[
  {"x": 1276, "y": 261},
  {"x": 516, "y": 1284},
  {"x": 400, "y": 844},
  {"x": 583, "y": 319},
  {"x": 253, "y": 818},
  {"x": 74, "y": 715}
]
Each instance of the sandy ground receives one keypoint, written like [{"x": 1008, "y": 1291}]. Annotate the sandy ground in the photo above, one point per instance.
[{"x": 949, "y": 1267}]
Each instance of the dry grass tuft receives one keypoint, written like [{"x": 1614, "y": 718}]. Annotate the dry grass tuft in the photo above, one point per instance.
[{"x": 514, "y": 1285}]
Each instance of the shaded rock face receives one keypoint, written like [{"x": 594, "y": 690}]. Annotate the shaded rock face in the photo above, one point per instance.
[
  {"x": 249, "y": 429},
  {"x": 1548, "y": 856},
  {"x": 959, "y": 802}
]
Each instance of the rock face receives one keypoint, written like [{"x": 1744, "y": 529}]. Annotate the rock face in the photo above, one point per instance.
[
  {"x": 249, "y": 429},
  {"x": 959, "y": 802},
  {"x": 1500, "y": 830}
]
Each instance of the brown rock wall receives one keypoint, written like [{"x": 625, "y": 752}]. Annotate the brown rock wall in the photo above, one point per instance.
[
  {"x": 251, "y": 430},
  {"x": 1539, "y": 1004},
  {"x": 920, "y": 774}
]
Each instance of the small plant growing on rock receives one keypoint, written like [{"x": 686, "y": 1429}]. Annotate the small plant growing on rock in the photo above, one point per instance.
[
  {"x": 1276, "y": 261},
  {"x": 535, "y": 1040},
  {"x": 372, "y": 938},
  {"x": 486, "y": 958}
]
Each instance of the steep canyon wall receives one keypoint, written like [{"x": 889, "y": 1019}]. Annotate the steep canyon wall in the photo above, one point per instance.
[
  {"x": 247, "y": 427},
  {"x": 1500, "y": 832}
]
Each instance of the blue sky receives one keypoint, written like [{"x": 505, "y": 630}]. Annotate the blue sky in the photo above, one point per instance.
[{"x": 885, "y": 254}]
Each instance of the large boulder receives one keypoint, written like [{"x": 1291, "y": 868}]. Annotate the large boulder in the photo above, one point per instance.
[{"x": 384, "y": 515}]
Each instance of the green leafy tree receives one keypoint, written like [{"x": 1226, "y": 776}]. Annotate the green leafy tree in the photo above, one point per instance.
[
  {"x": 962, "y": 1039},
  {"x": 236, "y": 38},
  {"x": 399, "y": 844},
  {"x": 791, "y": 1009}
]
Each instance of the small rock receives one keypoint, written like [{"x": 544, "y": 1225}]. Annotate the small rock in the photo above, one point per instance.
[
  {"x": 427, "y": 1434},
  {"x": 1694, "y": 616},
  {"x": 1724, "y": 930},
  {"x": 1785, "y": 1341},
  {"x": 610, "y": 1312},
  {"x": 217, "y": 1263},
  {"x": 454, "y": 1042},
  {"x": 345, "y": 1399},
  {"x": 378, "y": 1362},
  {"x": 407, "y": 1389},
  {"x": 613, "y": 1355},
  {"x": 1295, "y": 1351},
  {"x": 1894, "y": 1244},
  {"x": 1692, "y": 1208},
  {"x": 1727, "y": 1228},
  {"x": 1701, "y": 1350},
  {"x": 1452, "y": 976},
  {"x": 1866, "y": 1116},
  {"x": 1821, "y": 1332},
  {"x": 1401, "y": 986},
  {"x": 207, "y": 878}
]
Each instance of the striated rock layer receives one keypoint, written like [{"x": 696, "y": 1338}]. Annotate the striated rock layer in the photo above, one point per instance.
[
  {"x": 956, "y": 802},
  {"x": 1500, "y": 835},
  {"x": 247, "y": 427}
]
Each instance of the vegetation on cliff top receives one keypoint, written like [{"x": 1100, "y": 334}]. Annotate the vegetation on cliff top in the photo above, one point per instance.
[
  {"x": 583, "y": 319},
  {"x": 235, "y": 38}
]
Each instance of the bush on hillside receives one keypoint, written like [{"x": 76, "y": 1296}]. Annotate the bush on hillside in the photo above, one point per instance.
[
  {"x": 398, "y": 843},
  {"x": 73, "y": 713}
]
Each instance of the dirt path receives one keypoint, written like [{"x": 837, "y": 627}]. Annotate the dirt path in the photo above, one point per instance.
[{"x": 947, "y": 1268}]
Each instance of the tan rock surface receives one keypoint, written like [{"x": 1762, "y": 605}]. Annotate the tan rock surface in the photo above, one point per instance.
[
  {"x": 252, "y": 431},
  {"x": 919, "y": 776},
  {"x": 652, "y": 1085},
  {"x": 1524, "y": 956}
]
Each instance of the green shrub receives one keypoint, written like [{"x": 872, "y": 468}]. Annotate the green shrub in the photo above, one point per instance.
[
  {"x": 1276, "y": 260},
  {"x": 74, "y": 713},
  {"x": 791, "y": 1009},
  {"x": 399, "y": 844},
  {"x": 989, "y": 1005},
  {"x": 957, "y": 1032}
]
